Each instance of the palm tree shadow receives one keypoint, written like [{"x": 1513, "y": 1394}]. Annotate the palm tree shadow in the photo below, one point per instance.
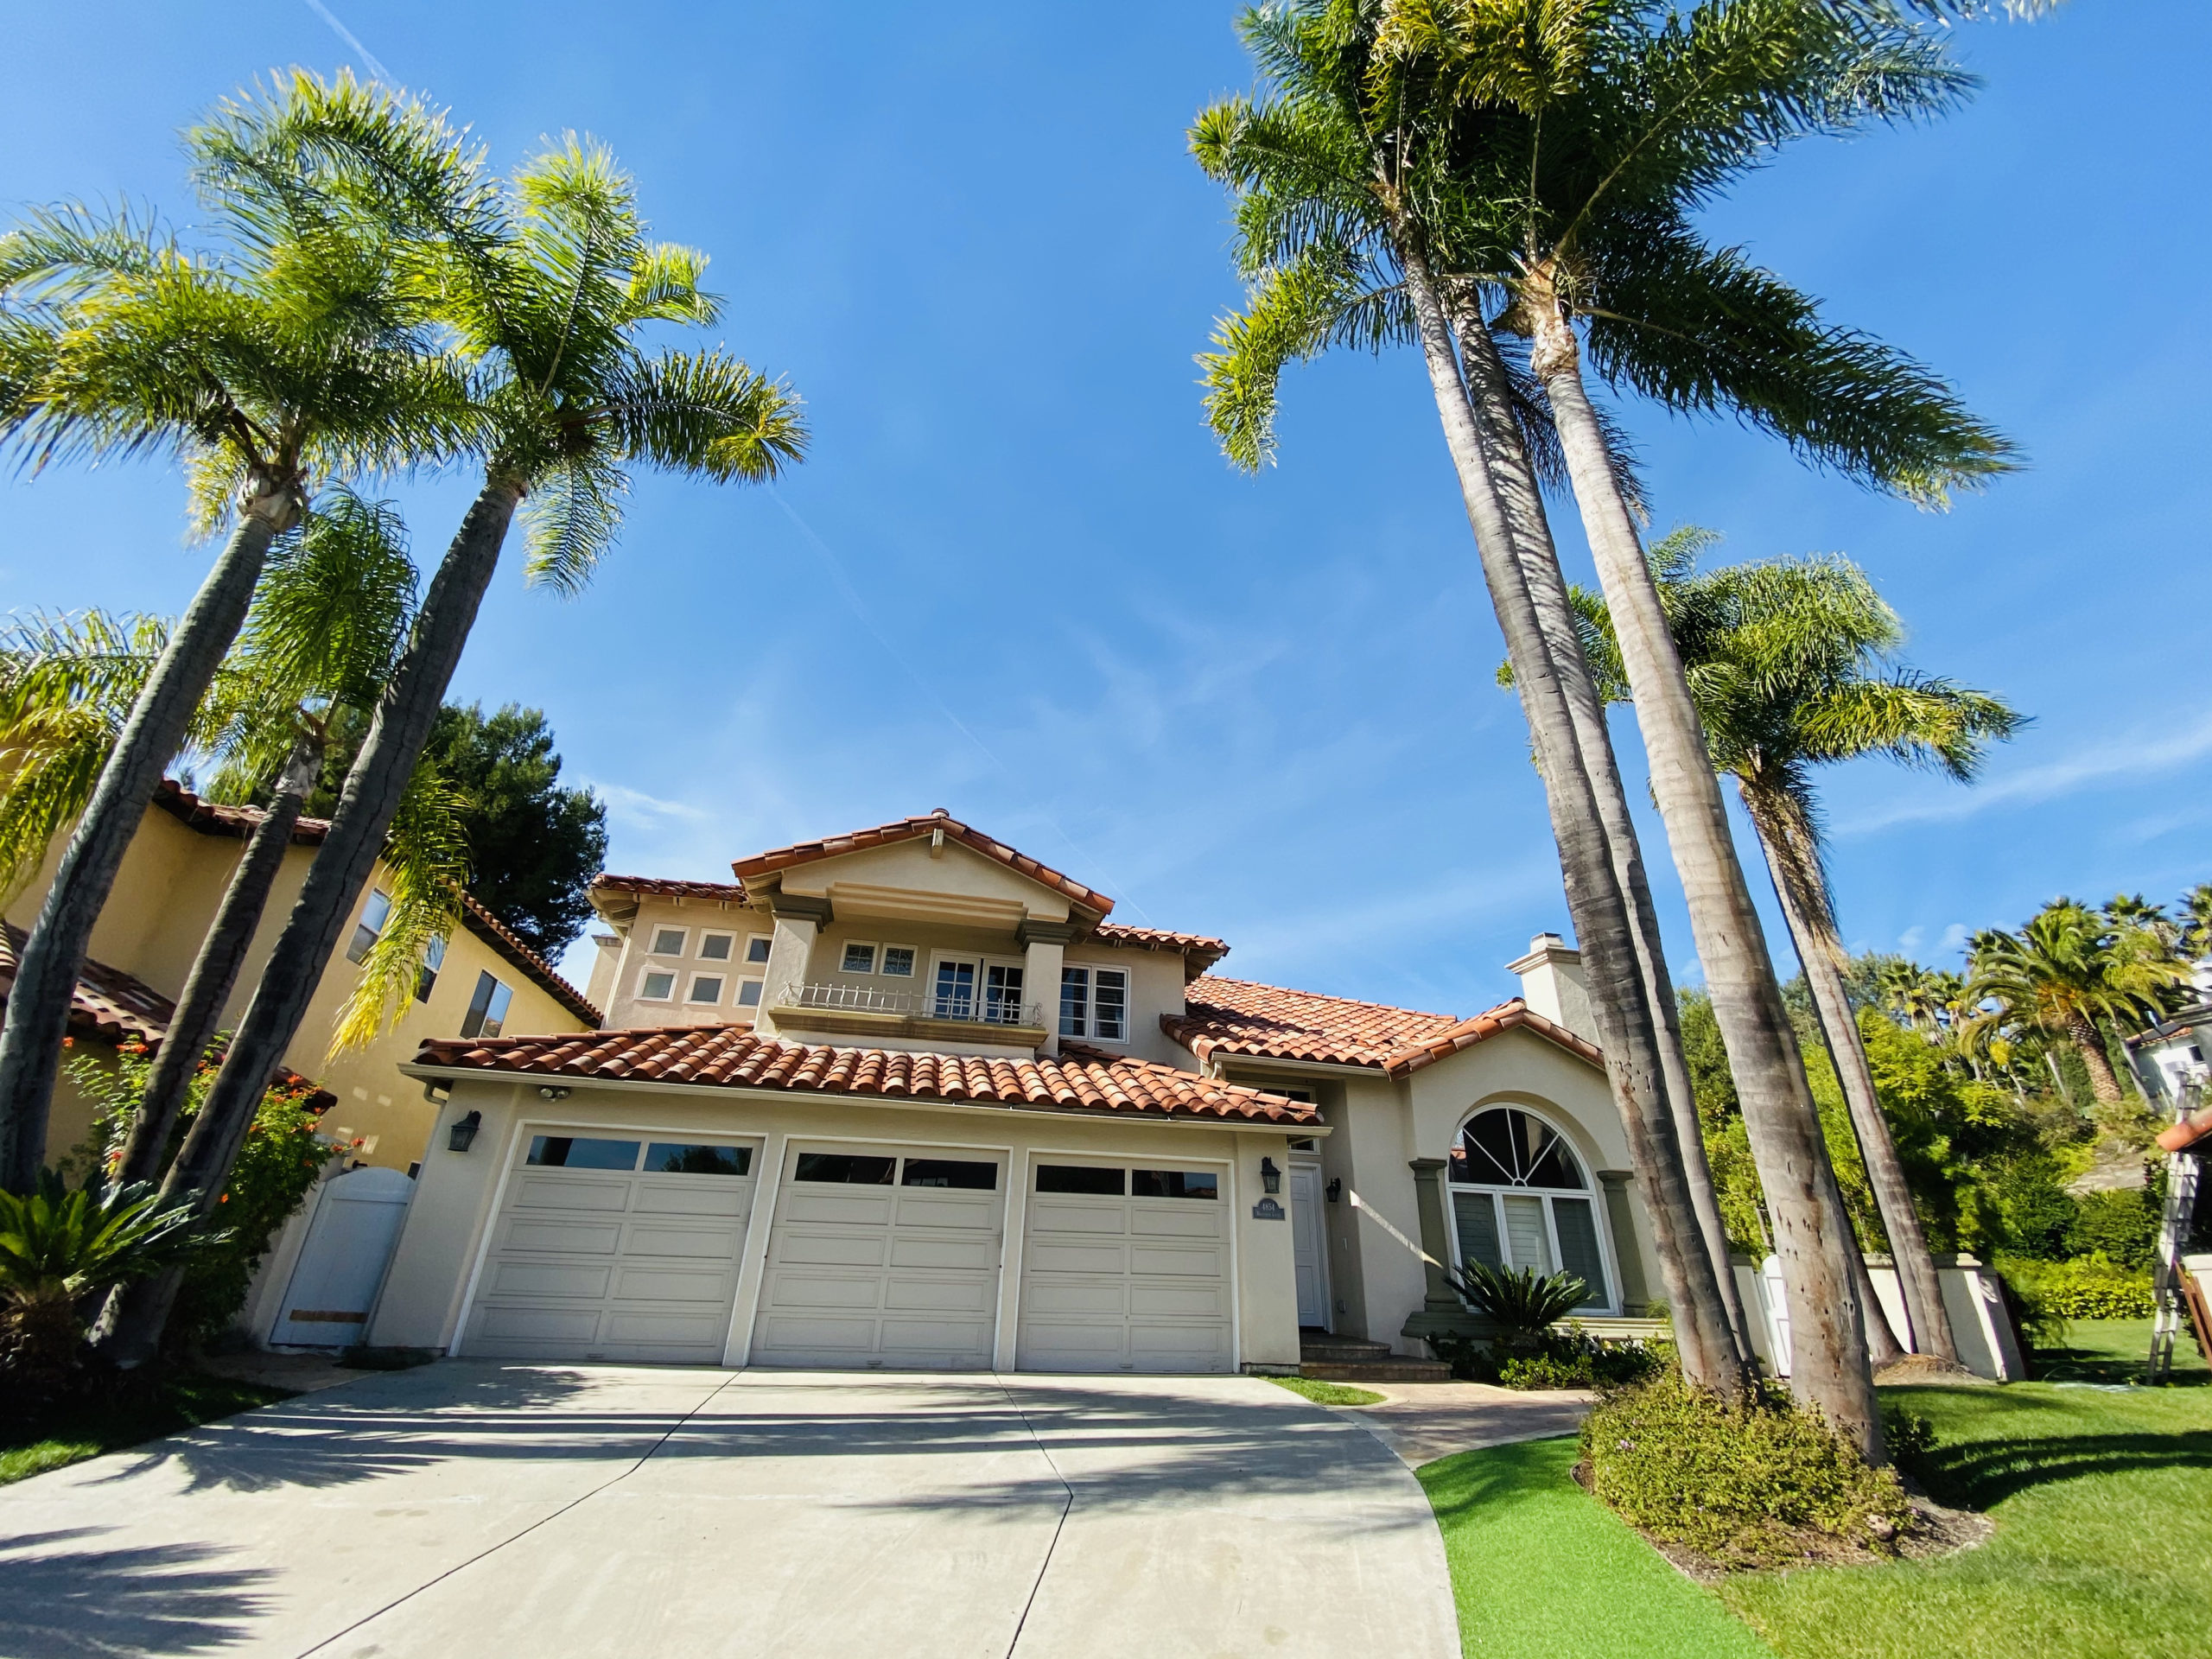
[
  {"x": 1983, "y": 1472},
  {"x": 167, "y": 1599}
]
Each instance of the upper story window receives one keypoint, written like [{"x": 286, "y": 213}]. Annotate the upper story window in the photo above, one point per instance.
[
  {"x": 899, "y": 961},
  {"x": 434, "y": 958},
  {"x": 757, "y": 947},
  {"x": 859, "y": 959},
  {"x": 705, "y": 987},
  {"x": 656, "y": 985},
  {"x": 1095, "y": 1002},
  {"x": 487, "y": 1007},
  {"x": 668, "y": 942},
  {"x": 1520, "y": 1199},
  {"x": 717, "y": 947},
  {"x": 370, "y": 928}
]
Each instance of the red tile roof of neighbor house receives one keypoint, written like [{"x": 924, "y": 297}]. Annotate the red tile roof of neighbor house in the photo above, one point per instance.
[
  {"x": 2186, "y": 1134},
  {"x": 112, "y": 1006},
  {"x": 1081, "y": 1080},
  {"x": 1235, "y": 1016},
  {"x": 219, "y": 818},
  {"x": 650, "y": 886},
  {"x": 884, "y": 835}
]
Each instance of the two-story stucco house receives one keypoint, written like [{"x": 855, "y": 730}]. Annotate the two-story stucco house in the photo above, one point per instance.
[{"x": 908, "y": 1097}]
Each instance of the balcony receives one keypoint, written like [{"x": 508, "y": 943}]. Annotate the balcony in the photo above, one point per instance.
[{"x": 957, "y": 1018}]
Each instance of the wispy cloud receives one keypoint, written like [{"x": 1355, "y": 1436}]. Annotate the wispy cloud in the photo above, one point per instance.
[
  {"x": 636, "y": 810},
  {"x": 367, "y": 58},
  {"x": 2136, "y": 757}
]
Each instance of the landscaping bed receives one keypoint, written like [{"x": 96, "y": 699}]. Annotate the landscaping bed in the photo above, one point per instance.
[{"x": 81, "y": 1428}]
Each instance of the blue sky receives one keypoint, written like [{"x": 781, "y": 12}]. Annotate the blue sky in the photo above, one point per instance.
[{"x": 1015, "y": 579}]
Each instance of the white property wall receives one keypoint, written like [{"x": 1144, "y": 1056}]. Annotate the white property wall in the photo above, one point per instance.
[
  {"x": 424, "y": 1297},
  {"x": 1978, "y": 1322}
]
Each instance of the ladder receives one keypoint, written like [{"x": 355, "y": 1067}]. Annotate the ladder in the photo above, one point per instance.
[{"x": 2167, "y": 1284}]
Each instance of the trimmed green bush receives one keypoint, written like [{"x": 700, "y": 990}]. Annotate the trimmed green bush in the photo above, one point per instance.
[
  {"x": 2092, "y": 1287},
  {"x": 1749, "y": 1481},
  {"x": 1574, "y": 1359}
]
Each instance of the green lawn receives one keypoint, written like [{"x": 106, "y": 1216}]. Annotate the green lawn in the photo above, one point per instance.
[
  {"x": 73, "y": 1433},
  {"x": 2103, "y": 1495},
  {"x": 1328, "y": 1394}
]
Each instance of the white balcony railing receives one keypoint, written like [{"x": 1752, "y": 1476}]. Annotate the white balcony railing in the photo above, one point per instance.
[{"x": 988, "y": 1008}]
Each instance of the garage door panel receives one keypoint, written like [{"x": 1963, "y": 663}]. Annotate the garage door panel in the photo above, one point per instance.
[
  {"x": 525, "y": 1323},
  {"x": 831, "y": 1249},
  {"x": 1154, "y": 1259},
  {"x": 1050, "y": 1215},
  {"x": 1108, "y": 1297},
  {"x": 1188, "y": 1301},
  {"x": 825, "y": 1290},
  {"x": 962, "y": 1295},
  {"x": 691, "y": 1243},
  {"x": 967, "y": 1212},
  {"x": 821, "y": 1341},
  {"x": 655, "y": 1326},
  {"x": 512, "y": 1278},
  {"x": 973, "y": 1254},
  {"x": 1192, "y": 1220},
  {"x": 1126, "y": 1283},
  {"x": 562, "y": 1237},
  {"x": 669, "y": 1283},
  {"x": 1059, "y": 1256},
  {"x": 699, "y": 1196},
  {"x": 1177, "y": 1347},
  {"x": 842, "y": 1206},
  {"x": 542, "y": 1190}
]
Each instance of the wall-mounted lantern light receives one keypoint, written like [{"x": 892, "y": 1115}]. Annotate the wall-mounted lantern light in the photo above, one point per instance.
[
  {"x": 551, "y": 1091},
  {"x": 1336, "y": 1188},
  {"x": 464, "y": 1131},
  {"x": 1270, "y": 1177}
]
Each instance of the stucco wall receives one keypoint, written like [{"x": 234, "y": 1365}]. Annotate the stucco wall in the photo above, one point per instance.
[{"x": 423, "y": 1298}]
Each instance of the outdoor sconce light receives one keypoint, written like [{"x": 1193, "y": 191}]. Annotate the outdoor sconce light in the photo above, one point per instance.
[
  {"x": 550, "y": 1091},
  {"x": 464, "y": 1131},
  {"x": 1336, "y": 1188},
  {"x": 1270, "y": 1177}
]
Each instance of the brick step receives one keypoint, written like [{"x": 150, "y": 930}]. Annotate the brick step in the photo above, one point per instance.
[
  {"x": 1315, "y": 1346},
  {"x": 1395, "y": 1370}
]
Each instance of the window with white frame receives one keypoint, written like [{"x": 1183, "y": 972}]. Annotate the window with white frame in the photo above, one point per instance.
[
  {"x": 748, "y": 993},
  {"x": 899, "y": 961},
  {"x": 858, "y": 958},
  {"x": 717, "y": 947},
  {"x": 1520, "y": 1199},
  {"x": 668, "y": 942},
  {"x": 366, "y": 931},
  {"x": 656, "y": 985},
  {"x": 434, "y": 958},
  {"x": 757, "y": 947},
  {"x": 1095, "y": 1002},
  {"x": 487, "y": 1007},
  {"x": 705, "y": 989}
]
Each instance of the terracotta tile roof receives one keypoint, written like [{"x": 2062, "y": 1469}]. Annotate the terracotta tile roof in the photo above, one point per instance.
[
  {"x": 1468, "y": 1032},
  {"x": 510, "y": 945},
  {"x": 1081, "y": 1080},
  {"x": 2181, "y": 1136},
  {"x": 1235, "y": 1016},
  {"x": 808, "y": 852},
  {"x": 648, "y": 887},
  {"x": 111, "y": 1005},
  {"x": 1199, "y": 952}
]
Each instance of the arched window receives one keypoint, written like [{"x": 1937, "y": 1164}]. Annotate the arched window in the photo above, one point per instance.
[{"x": 1520, "y": 1199}]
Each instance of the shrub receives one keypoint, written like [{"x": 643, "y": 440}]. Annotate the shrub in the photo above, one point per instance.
[
  {"x": 2092, "y": 1287},
  {"x": 1526, "y": 1303},
  {"x": 1749, "y": 1481},
  {"x": 1470, "y": 1357},
  {"x": 1575, "y": 1359},
  {"x": 2122, "y": 1225}
]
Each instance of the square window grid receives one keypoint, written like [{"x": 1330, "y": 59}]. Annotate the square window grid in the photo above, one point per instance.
[
  {"x": 899, "y": 961},
  {"x": 859, "y": 959},
  {"x": 656, "y": 986},
  {"x": 715, "y": 947},
  {"x": 756, "y": 947},
  {"x": 706, "y": 988},
  {"x": 748, "y": 993},
  {"x": 668, "y": 942}
]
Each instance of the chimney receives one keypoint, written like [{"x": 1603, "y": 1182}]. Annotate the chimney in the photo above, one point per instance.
[{"x": 1552, "y": 984}]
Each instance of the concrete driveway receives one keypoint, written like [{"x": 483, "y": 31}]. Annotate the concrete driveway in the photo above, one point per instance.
[{"x": 549, "y": 1510}]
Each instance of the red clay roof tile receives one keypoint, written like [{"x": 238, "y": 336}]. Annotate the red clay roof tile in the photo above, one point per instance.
[
  {"x": 728, "y": 892},
  {"x": 1198, "y": 950},
  {"x": 883, "y": 835},
  {"x": 1235, "y": 1016}
]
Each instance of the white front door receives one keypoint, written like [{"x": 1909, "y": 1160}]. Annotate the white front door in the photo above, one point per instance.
[
  {"x": 884, "y": 1257},
  {"x": 1309, "y": 1243}
]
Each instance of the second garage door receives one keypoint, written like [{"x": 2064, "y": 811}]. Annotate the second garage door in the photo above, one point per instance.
[
  {"x": 1126, "y": 1268},
  {"x": 884, "y": 1257}
]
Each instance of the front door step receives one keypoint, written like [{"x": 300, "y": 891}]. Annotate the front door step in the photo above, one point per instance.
[{"x": 1347, "y": 1359}]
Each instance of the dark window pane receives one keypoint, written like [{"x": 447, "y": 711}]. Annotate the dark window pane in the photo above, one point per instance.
[
  {"x": 1475, "y": 1214},
  {"x": 1079, "y": 1177},
  {"x": 950, "y": 1171},
  {"x": 675, "y": 1158},
  {"x": 845, "y": 1169},
  {"x": 1074, "y": 1001},
  {"x": 1173, "y": 1184},
  {"x": 1578, "y": 1247},
  {"x": 576, "y": 1152},
  {"x": 1110, "y": 1004}
]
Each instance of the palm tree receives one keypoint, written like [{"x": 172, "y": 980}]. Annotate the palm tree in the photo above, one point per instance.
[
  {"x": 303, "y": 350},
  {"x": 547, "y": 294},
  {"x": 2066, "y": 972},
  {"x": 1791, "y": 664},
  {"x": 1319, "y": 149}
]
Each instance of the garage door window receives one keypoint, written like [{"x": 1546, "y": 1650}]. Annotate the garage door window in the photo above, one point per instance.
[
  {"x": 844, "y": 1169},
  {"x": 950, "y": 1172},
  {"x": 1080, "y": 1178},
  {"x": 578, "y": 1151},
  {"x": 676, "y": 1158},
  {"x": 1174, "y": 1184}
]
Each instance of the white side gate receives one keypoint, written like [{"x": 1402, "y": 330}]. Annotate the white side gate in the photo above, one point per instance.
[{"x": 341, "y": 1266}]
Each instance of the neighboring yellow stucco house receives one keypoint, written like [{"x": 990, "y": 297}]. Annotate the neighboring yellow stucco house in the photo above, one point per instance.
[{"x": 164, "y": 898}]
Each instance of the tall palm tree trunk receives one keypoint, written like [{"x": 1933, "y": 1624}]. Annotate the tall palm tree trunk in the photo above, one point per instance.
[
  {"x": 1828, "y": 1360},
  {"x": 215, "y": 969},
  {"x": 1883, "y": 1348},
  {"x": 1707, "y": 1342},
  {"x": 1793, "y": 859},
  {"x": 366, "y": 806},
  {"x": 2089, "y": 1043},
  {"x": 53, "y": 953},
  {"x": 1539, "y": 559}
]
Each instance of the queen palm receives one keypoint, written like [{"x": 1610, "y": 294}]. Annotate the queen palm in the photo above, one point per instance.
[
  {"x": 1791, "y": 664},
  {"x": 2067, "y": 973},
  {"x": 546, "y": 293},
  {"x": 302, "y": 350},
  {"x": 1333, "y": 204}
]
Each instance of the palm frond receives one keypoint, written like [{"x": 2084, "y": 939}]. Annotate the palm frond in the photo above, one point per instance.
[
  {"x": 571, "y": 519},
  {"x": 426, "y": 865}
]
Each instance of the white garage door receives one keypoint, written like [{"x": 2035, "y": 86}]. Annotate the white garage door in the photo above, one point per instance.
[
  {"x": 884, "y": 1257},
  {"x": 616, "y": 1248},
  {"x": 1126, "y": 1268}
]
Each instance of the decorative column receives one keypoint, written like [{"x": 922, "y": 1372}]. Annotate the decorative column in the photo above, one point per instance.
[
  {"x": 1044, "y": 945},
  {"x": 1636, "y": 1290},
  {"x": 799, "y": 917},
  {"x": 1435, "y": 1239}
]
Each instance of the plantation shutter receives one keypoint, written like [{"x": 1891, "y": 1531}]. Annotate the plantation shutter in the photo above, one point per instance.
[
  {"x": 1477, "y": 1222},
  {"x": 1578, "y": 1248},
  {"x": 1526, "y": 1236}
]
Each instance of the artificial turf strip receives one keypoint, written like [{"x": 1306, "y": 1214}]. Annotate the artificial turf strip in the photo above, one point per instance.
[
  {"x": 75, "y": 1432},
  {"x": 1541, "y": 1570},
  {"x": 1328, "y": 1394},
  {"x": 2103, "y": 1503}
]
